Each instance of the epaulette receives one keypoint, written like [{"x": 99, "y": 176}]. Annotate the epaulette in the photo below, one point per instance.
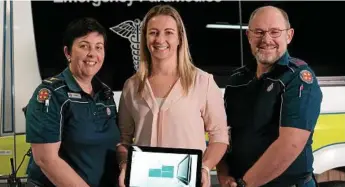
[
  {"x": 53, "y": 82},
  {"x": 239, "y": 70},
  {"x": 238, "y": 75},
  {"x": 297, "y": 62},
  {"x": 108, "y": 93}
]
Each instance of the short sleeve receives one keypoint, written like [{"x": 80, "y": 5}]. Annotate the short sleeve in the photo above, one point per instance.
[
  {"x": 43, "y": 122},
  {"x": 301, "y": 101},
  {"x": 226, "y": 93},
  {"x": 126, "y": 122},
  {"x": 214, "y": 114}
]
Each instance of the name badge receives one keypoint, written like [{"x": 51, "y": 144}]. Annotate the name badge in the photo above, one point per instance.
[{"x": 74, "y": 95}]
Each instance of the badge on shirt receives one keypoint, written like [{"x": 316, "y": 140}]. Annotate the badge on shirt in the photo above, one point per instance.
[
  {"x": 108, "y": 111},
  {"x": 43, "y": 95},
  {"x": 270, "y": 87},
  {"x": 74, "y": 95},
  {"x": 306, "y": 76}
]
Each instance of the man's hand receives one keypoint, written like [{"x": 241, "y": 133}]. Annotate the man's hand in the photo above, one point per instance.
[
  {"x": 122, "y": 175},
  {"x": 205, "y": 178},
  {"x": 227, "y": 181}
]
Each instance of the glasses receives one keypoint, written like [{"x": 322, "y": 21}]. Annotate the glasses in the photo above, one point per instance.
[{"x": 274, "y": 33}]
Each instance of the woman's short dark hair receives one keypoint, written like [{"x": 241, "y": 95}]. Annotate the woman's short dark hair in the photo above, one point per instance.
[{"x": 81, "y": 27}]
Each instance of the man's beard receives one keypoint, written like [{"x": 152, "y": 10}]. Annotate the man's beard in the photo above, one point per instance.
[{"x": 266, "y": 59}]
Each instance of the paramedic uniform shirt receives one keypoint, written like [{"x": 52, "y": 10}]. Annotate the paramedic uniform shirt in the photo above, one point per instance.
[
  {"x": 287, "y": 96},
  {"x": 86, "y": 126}
]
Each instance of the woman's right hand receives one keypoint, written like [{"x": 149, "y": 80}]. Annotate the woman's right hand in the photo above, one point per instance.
[{"x": 122, "y": 175}]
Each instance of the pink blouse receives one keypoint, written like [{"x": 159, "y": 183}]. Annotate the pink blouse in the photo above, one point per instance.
[{"x": 180, "y": 122}]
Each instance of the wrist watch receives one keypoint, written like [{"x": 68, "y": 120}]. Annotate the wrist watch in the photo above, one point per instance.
[{"x": 241, "y": 183}]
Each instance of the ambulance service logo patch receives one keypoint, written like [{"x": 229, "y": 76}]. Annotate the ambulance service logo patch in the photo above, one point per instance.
[
  {"x": 306, "y": 76},
  {"x": 43, "y": 95}
]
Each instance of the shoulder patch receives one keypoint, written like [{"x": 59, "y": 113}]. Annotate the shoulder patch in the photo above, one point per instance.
[
  {"x": 306, "y": 76},
  {"x": 43, "y": 95}
]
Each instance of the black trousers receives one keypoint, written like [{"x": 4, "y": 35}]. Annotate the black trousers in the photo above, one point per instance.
[{"x": 31, "y": 184}]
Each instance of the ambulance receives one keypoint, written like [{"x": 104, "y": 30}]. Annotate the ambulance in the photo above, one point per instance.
[{"x": 30, "y": 50}]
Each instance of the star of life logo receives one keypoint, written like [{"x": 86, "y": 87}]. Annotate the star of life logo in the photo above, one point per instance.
[{"x": 130, "y": 30}]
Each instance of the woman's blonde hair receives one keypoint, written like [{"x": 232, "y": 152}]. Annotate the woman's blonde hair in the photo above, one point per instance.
[{"x": 186, "y": 69}]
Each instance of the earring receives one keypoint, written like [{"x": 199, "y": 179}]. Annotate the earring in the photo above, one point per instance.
[{"x": 68, "y": 59}]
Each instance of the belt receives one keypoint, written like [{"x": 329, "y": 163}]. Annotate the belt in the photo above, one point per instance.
[{"x": 306, "y": 180}]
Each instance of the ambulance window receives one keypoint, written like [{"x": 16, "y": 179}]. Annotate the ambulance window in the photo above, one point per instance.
[
  {"x": 214, "y": 50},
  {"x": 2, "y": 62},
  {"x": 6, "y": 101},
  {"x": 318, "y": 38}
]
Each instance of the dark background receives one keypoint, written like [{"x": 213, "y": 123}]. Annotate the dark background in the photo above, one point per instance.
[{"x": 318, "y": 35}]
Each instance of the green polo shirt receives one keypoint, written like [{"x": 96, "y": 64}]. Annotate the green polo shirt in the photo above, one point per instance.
[
  {"x": 287, "y": 96},
  {"x": 59, "y": 111}
]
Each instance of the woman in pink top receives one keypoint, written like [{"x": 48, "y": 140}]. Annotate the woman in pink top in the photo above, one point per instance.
[{"x": 169, "y": 102}]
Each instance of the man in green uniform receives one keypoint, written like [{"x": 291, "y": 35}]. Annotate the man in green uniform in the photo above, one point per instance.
[
  {"x": 71, "y": 117},
  {"x": 272, "y": 108}
]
